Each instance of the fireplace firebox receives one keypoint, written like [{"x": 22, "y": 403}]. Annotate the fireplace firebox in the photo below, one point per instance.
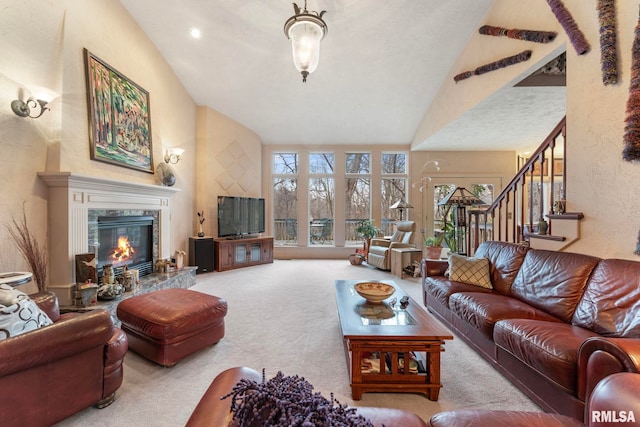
[{"x": 125, "y": 241}]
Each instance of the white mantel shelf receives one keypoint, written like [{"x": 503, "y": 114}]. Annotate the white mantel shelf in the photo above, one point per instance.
[
  {"x": 70, "y": 198},
  {"x": 69, "y": 179}
]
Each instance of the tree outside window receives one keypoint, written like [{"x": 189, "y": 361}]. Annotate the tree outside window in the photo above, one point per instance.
[
  {"x": 357, "y": 194},
  {"x": 285, "y": 198},
  {"x": 393, "y": 188}
]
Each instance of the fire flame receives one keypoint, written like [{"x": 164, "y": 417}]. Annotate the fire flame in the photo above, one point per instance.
[{"x": 124, "y": 251}]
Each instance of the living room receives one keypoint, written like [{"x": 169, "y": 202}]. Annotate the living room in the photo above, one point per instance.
[{"x": 44, "y": 41}]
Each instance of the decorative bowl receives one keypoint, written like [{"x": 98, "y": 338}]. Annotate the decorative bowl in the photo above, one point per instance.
[{"x": 374, "y": 292}]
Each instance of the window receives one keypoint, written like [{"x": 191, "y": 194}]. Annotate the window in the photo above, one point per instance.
[
  {"x": 285, "y": 198},
  {"x": 393, "y": 188},
  {"x": 357, "y": 194},
  {"x": 320, "y": 194},
  {"x": 321, "y": 197}
]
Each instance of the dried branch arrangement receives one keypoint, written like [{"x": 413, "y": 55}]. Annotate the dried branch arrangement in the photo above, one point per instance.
[
  {"x": 631, "y": 150},
  {"x": 579, "y": 42},
  {"x": 288, "y": 401},
  {"x": 33, "y": 253},
  {"x": 527, "y": 35},
  {"x": 505, "y": 62},
  {"x": 608, "y": 52}
]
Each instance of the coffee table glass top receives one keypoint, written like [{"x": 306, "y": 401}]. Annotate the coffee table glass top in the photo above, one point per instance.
[
  {"x": 359, "y": 318},
  {"x": 383, "y": 314}
]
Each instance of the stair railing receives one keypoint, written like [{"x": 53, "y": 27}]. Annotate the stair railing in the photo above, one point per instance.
[{"x": 517, "y": 211}]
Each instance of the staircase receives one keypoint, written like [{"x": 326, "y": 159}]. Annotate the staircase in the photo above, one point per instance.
[{"x": 535, "y": 193}]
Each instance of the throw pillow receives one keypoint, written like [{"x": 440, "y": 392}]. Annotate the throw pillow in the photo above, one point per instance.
[
  {"x": 22, "y": 316},
  {"x": 474, "y": 271},
  {"x": 288, "y": 400}
]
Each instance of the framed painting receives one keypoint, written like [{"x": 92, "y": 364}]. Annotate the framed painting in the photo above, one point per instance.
[
  {"x": 119, "y": 117},
  {"x": 536, "y": 168},
  {"x": 558, "y": 167}
]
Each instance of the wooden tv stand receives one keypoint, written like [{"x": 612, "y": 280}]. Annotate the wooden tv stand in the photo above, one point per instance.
[{"x": 238, "y": 253}]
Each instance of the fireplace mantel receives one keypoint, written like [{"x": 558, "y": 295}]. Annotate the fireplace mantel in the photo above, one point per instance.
[{"x": 70, "y": 198}]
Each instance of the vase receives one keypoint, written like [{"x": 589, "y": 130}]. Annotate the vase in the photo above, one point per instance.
[
  {"x": 200, "y": 232},
  {"x": 432, "y": 252},
  {"x": 107, "y": 274},
  {"x": 543, "y": 227}
]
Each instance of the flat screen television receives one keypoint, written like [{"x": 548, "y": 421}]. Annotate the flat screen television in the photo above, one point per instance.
[{"x": 240, "y": 216}]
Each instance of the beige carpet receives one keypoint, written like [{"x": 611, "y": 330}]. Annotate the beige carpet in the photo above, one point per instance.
[{"x": 282, "y": 316}]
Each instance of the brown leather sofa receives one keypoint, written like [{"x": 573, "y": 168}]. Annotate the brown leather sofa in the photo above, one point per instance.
[
  {"x": 53, "y": 372},
  {"x": 211, "y": 411},
  {"x": 614, "y": 402},
  {"x": 554, "y": 324}
]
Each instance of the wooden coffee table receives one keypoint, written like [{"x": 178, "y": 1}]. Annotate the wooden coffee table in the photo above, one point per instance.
[{"x": 393, "y": 336}]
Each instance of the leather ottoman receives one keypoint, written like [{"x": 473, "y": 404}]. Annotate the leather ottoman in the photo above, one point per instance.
[{"x": 167, "y": 325}]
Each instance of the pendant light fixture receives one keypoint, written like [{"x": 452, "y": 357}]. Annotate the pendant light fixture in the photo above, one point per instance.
[{"x": 305, "y": 30}]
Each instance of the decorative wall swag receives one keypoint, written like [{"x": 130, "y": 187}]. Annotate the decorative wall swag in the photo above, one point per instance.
[
  {"x": 505, "y": 62},
  {"x": 579, "y": 42},
  {"x": 631, "y": 150},
  {"x": 527, "y": 35},
  {"x": 608, "y": 52}
]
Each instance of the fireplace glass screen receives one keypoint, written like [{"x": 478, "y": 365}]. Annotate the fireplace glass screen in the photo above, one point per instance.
[{"x": 125, "y": 241}]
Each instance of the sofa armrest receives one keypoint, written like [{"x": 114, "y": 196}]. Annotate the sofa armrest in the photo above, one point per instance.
[
  {"x": 48, "y": 302},
  {"x": 211, "y": 410},
  {"x": 433, "y": 268},
  {"x": 396, "y": 245},
  {"x": 599, "y": 357},
  {"x": 380, "y": 242},
  {"x": 55, "y": 342}
]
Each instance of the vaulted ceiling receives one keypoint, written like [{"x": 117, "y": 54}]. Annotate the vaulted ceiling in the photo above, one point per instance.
[{"x": 381, "y": 64}]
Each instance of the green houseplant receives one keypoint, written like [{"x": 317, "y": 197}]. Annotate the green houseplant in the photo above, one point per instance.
[
  {"x": 367, "y": 229},
  {"x": 433, "y": 246}
]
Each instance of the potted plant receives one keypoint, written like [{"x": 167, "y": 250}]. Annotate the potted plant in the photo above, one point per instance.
[
  {"x": 433, "y": 246},
  {"x": 367, "y": 229}
]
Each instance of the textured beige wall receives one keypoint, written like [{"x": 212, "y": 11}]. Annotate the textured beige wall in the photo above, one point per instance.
[
  {"x": 43, "y": 43},
  {"x": 600, "y": 183},
  {"x": 229, "y": 163},
  {"x": 453, "y": 99}
]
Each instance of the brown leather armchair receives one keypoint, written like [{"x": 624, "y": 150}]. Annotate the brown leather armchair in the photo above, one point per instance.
[
  {"x": 212, "y": 411},
  {"x": 53, "y": 372},
  {"x": 614, "y": 401},
  {"x": 380, "y": 249}
]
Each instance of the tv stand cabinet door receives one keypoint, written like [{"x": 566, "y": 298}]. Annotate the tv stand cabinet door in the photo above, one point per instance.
[{"x": 254, "y": 251}]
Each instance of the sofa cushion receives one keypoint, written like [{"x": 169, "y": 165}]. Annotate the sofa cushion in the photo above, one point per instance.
[
  {"x": 441, "y": 288},
  {"x": 483, "y": 310},
  {"x": 553, "y": 281},
  {"x": 550, "y": 348},
  {"x": 610, "y": 305},
  {"x": 474, "y": 271},
  {"x": 505, "y": 260}
]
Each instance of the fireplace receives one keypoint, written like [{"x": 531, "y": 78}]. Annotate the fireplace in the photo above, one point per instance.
[
  {"x": 75, "y": 202},
  {"x": 125, "y": 241}
]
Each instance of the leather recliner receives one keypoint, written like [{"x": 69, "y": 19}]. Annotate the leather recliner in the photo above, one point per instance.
[
  {"x": 50, "y": 373},
  {"x": 380, "y": 249},
  {"x": 213, "y": 411},
  {"x": 614, "y": 401}
]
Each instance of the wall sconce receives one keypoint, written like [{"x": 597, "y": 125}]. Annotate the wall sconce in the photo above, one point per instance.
[
  {"x": 35, "y": 105},
  {"x": 172, "y": 155}
]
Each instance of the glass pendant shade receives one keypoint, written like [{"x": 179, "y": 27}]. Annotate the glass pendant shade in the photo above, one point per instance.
[
  {"x": 305, "y": 30},
  {"x": 305, "y": 45}
]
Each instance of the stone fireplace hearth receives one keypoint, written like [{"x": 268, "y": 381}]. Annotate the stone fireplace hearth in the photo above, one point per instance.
[{"x": 72, "y": 200}]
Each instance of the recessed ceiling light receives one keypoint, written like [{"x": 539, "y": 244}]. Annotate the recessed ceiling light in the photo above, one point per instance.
[{"x": 195, "y": 33}]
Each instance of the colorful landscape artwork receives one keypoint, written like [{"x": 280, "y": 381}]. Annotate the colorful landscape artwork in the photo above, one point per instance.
[{"x": 120, "y": 123}]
